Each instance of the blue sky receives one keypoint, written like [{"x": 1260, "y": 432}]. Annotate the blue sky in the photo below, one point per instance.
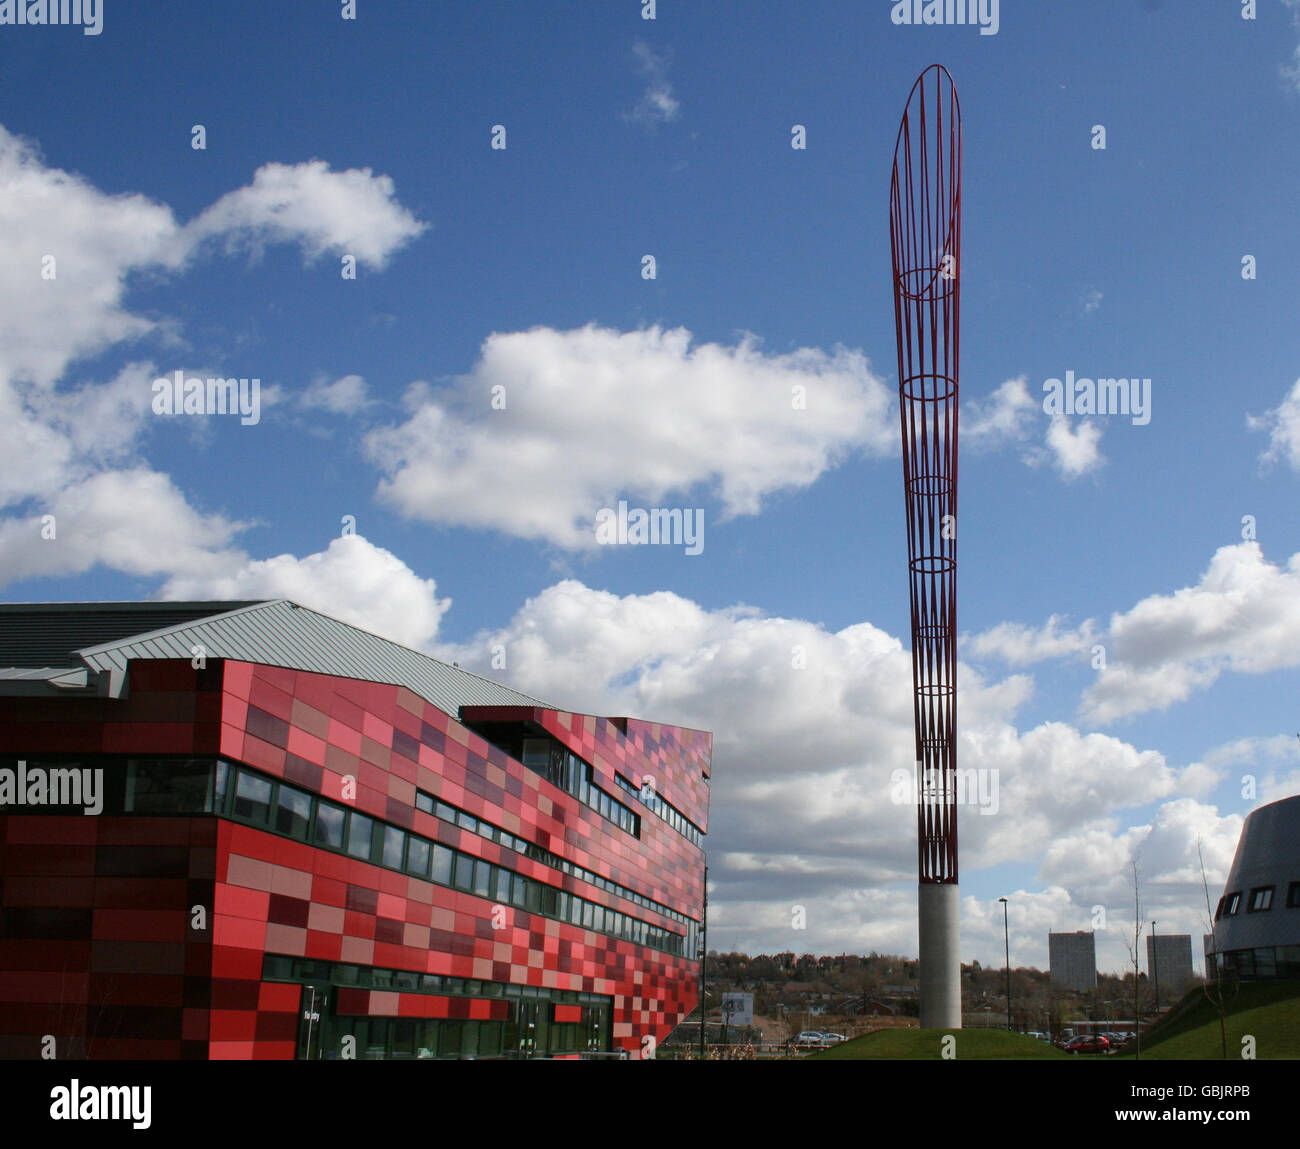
[{"x": 522, "y": 268}]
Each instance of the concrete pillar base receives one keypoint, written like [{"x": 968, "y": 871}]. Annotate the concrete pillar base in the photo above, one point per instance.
[{"x": 940, "y": 972}]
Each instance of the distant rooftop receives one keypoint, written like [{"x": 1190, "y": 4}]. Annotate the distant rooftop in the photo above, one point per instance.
[{"x": 48, "y": 647}]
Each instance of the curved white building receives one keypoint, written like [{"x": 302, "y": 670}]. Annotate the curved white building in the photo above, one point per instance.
[{"x": 1257, "y": 922}]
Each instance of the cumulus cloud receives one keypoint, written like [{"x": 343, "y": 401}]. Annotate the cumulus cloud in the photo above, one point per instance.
[
  {"x": 809, "y": 728},
  {"x": 351, "y": 580},
  {"x": 135, "y": 521},
  {"x": 1283, "y": 426},
  {"x": 551, "y": 426},
  {"x": 1006, "y": 414},
  {"x": 70, "y": 248},
  {"x": 1076, "y": 452},
  {"x": 349, "y": 212},
  {"x": 1243, "y": 616},
  {"x": 657, "y": 105},
  {"x": 74, "y": 452},
  {"x": 344, "y": 396},
  {"x": 1021, "y": 645}
]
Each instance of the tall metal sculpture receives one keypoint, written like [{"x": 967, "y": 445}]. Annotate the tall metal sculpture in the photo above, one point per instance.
[{"x": 925, "y": 232}]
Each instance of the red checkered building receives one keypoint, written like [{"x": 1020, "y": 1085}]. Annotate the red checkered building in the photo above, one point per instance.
[{"x": 312, "y": 842}]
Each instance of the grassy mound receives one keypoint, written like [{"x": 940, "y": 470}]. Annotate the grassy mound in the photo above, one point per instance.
[
  {"x": 1268, "y": 1011},
  {"x": 927, "y": 1045}
]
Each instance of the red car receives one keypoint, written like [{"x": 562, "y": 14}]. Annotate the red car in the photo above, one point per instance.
[{"x": 1087, "y": 1043}]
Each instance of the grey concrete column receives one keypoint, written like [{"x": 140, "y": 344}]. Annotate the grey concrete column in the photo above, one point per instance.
[{"x": 940, "y": 973}]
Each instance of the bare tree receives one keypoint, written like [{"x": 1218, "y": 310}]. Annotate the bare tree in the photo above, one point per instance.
[
  {"x": 1135, "y": 955},
  {"x": 1215, "y": 994}
]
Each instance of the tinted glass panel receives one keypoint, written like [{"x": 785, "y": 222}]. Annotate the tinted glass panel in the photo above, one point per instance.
[
  {"x": 394, "y": 841},
  {"x": 253, "y": 798},
  {"x": 293, "y": 812},
  {"x": 329, "y": 824},
  {"x": 360, "y": 829},
  {"x": 442, "y": 862},
  {"x": 417, "y": 857}
]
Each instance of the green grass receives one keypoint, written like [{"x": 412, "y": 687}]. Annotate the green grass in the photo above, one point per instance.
[
  {"x": 1267, "y": 1011},
  {"x": 927, "y": 1045}
]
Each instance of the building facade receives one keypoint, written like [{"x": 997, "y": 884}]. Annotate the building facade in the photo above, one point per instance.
[
  {"x": 1073, "y": 960},
  {"x": 247, "y": 830},
  {"x": 1257, "y": 921},
  {"x": 1169, "y": 964}
]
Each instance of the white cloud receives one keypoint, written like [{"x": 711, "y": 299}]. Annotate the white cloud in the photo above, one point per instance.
[
  {"x": 74, "y": 451},
  {"x": 1021, "y": 645},
  {"x": 350, "y": 212},
  {"x": 1243, "y": 616},
  {"x": 1005, "y": 414},
  {"x": 135, "y": 521},
  {"x": 1090, "y": 300},
  {"x": 351, "y": 580},
  {"x": 551, "y": 426},
  {"x": 1283, "y": 425},
  {"x": 657, "y": 105},
  {"x": 344, "y": 396},
  {"x": 808, "y": 727},
  {"x": 1074, "y": 453},
  {"x": 94, "y": 241}
]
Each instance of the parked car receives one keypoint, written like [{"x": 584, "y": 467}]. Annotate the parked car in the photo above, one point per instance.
[
  {"x": 832, "y": 1038},
  {"x": 1087, "y": 1043},
  {"x": 811, "y": 1038}
]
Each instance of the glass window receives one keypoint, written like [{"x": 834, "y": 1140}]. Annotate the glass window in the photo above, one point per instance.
[
  {"x": 442, "y": 865},
  {"x": 446, "y": 813},
  {"x": 1261, "y": 898},
  {"x": 537, "y": 754},
  {"x": 253, "y": 798},
  {"x": 424, "y": 801},
  {"x": 1234, "y": 900},
  {"x": 1293, "y": 896},
  {"x": 464, "y": 873},
  {"x": 223, "y": 775},
  {"x": 483, "y": 878},
  {"x": 168, "y": 785},
  {"x": 293, "y": 812},
  {"x": 533, "y": 901},
  {"x": 394, "y": 845},
  {"x": 467, "y": 821},
  {"x": 417, "y": 857},
  {"x": 360, "y": 829},
  {"x": 329, "y": 825}
]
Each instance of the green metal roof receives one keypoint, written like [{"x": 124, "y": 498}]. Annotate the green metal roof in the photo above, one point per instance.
[{"x": 275, "y": 632}]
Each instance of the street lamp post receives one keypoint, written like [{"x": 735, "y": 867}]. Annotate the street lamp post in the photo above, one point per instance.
[{"x": 1006, "y": 938}]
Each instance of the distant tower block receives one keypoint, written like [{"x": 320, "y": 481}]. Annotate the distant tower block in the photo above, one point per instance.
[{"x": 925, "y": 233}]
